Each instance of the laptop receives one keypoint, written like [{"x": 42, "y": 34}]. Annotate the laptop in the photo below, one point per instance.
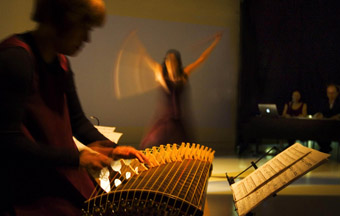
[{"x": 268, "y": 110}]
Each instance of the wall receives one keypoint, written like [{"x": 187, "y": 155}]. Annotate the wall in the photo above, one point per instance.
[
  {"x": 14, "y": 16},
  {"x": 184, "y": 25}
]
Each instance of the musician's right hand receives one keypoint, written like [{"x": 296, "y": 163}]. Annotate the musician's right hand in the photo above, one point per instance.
[
  {"x": 93, "y": 160},
  {"x": 128, "y": 152}
]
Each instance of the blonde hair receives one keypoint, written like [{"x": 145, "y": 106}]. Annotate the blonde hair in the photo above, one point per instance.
[{"x": 64, "y": 14}]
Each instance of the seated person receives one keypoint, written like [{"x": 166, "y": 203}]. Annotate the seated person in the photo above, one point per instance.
[
  {"x": 295, "y": 107},
  {"x": 329, "y": 109}
]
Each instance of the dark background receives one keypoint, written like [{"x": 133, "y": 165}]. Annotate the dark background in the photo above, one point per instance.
[{"x": 287, "y": 45}]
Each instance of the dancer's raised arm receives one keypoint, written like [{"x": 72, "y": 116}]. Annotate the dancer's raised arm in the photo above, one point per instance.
[{"x": 188, "y": 69}]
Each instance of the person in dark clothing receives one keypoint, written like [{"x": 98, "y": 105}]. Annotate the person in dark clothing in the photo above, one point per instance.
[
  {"x": 295, "y": 108},
  {"x": 329, "y": 109},
  {"x": 44, "y": 173}
]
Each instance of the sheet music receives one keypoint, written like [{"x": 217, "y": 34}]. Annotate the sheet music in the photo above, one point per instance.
[
  {"x": 110, "y": 133},
  {"x": 268, "y": 171},
  {"x": 274, "y": 176},
  {"x": 107, "y": 131}
]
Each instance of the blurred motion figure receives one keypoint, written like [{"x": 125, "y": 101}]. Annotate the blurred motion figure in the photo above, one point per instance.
[{"x": 171, "y": 120}]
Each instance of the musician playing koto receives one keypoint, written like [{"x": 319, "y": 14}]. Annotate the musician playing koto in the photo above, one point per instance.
[{"x": 44, "y": 172}]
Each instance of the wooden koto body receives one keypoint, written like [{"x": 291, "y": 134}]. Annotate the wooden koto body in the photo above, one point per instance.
[{"x": 174, "y": 184}]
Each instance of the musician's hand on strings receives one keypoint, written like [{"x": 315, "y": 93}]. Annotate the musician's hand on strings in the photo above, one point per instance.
[
  {"x": 93, "y": 160},
  {"x": 128, "y": 152},
  {"x": 103, "y": 146}
]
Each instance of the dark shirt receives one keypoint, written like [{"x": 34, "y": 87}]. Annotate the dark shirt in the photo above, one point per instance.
[
  {"x": 294, "y": 112},
  {"x": 16, "y": 77},
  {"x": 32, "y": 165},
  {"x": 329, "y": 112}
]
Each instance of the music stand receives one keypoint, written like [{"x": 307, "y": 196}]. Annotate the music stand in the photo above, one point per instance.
[
  {"x": 231, "y": 179},
  {"x": 272, "y": 176}
]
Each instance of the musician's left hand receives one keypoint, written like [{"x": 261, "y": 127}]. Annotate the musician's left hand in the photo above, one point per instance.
[{"x": 128, "y": 152}]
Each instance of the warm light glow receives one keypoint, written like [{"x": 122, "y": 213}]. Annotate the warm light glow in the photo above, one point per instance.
[
  {"x": 132, "y": 74},
  {"x": 105, "y": 185},
  {"x": 117, "y": 182},
  {"x": 104, "y": 179}
]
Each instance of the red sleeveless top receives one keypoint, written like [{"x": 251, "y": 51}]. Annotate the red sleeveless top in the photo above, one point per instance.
[{"x": 47, "y": 119}]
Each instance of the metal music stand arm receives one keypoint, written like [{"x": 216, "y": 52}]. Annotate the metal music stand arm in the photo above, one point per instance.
[{"x": 231, "y": 179}]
